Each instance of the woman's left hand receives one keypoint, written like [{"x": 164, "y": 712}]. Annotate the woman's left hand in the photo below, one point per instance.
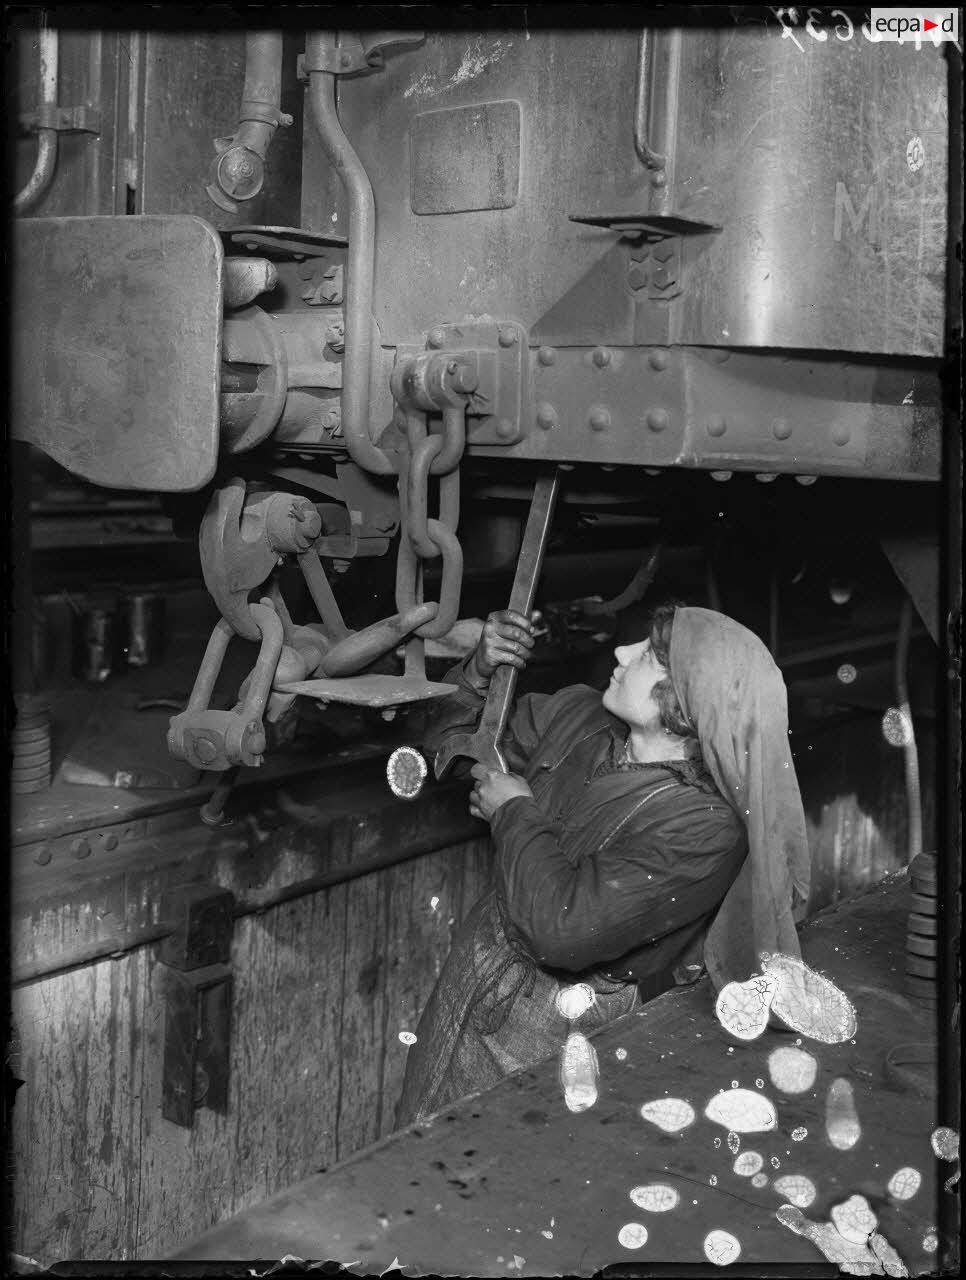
[{"x": 493, "y": 789}]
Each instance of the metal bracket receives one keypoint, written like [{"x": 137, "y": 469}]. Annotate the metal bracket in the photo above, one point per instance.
[
  {"x": 62, "y": 119},
  {"x": 197, "y": 1021},
  {"x": 354, "y": 52}
]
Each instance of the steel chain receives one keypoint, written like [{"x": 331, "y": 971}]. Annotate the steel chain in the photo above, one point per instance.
[{"x": 424, "y": 538}]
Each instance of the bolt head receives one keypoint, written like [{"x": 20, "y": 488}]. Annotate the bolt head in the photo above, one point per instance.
[
  {"x": 720, "y": 475},
  {"x": 717, "y": 425},
  {"x": 547, "y": 356},
  {"x": 766, "y": 477},
  {"x": 664, "y": 251},
  {"x": 658, "y": 360},
  {"x": 110, "y": 840},
  {"x": 599, "y": 418},
  {"x": 662, "y": 278},
  {"x": 806, "y": 480},
  {"x": 546, "y": 416},
  {"x": 507, "y": 336},
  {"x": 657, "y": 419},
  {"x": 601, "y": 357},
  {"x": 80, "y": 848},
  {"x": 389, "y": 713},
  {"x": 637, "y": 277},
  {"x": 205, "y": 749},
  {"x": 436, "y": 337}
]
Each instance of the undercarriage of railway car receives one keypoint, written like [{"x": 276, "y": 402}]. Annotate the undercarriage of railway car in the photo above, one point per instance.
[{"x": 373, "y": 388}]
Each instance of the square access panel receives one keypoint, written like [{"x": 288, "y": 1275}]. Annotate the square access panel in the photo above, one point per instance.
[
  {"x": 117, "y": 347},
  {"x": 466, "y": 158}
]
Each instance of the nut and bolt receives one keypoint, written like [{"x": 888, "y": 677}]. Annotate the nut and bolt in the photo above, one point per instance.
[
  {"x": 717, "y": 425},
  {"x": 658, "y": 360},
  {"x": 657, "y": 419},
  {"x": 80, "y": 848},
  {"x": 204, "y": 749},
  {"x": 662, "y": 278},
  {"x": 435, "y": 338},
  {"x": 601, "y": 357},
  {"x": 637, "y": 277},
  {"x": 547, "y": 356},
  {"x": 507, "y": 336},
  {"x": 546, "y": 416},
  {"x": 599, "y": 418}
]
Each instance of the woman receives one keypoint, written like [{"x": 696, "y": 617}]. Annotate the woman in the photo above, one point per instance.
[{"x": 622, "y": 834}]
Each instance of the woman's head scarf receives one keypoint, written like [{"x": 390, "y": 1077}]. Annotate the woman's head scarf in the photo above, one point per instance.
[{"x": 734, "y": 696}]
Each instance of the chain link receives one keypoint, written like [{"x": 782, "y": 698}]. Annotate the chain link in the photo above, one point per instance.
[{"x": 424, "y": 538}]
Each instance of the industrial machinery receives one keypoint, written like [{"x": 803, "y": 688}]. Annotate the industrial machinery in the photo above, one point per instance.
[{"x": 715, "y": 250}]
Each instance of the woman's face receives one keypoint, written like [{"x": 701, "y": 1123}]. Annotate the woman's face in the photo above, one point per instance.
[{"x": 630, "y": 694}]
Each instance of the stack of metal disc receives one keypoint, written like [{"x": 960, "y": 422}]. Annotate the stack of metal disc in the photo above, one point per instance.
[
  {"x": 30, "y": 746},
  {"x": 922, "y": 930}
]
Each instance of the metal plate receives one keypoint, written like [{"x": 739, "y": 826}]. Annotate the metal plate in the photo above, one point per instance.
[
  {"x": 117, "y": 347},
  {"x": 466, "y": 158},
  {"x": 369, "y": 691}
]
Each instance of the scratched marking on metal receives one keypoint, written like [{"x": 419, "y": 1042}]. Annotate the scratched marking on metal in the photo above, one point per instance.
[
  {"x": 809, "y": 1003},
  {"x": 904, "y": 1183},
  {"x": 945, "y": 1143},
  {"x": 721, "y": 1248},
  {"x": 792, "y": 1070},
  {"x": 633, "y": 1235},
  {"x": 854, "y": 1219},
  {"x": 579, "y": 1072},
  {"x": 741, "y": 1111},
  {"x": 656, "y": 1197},
  {"x": 748, "y": 1164},
  {"x": 669, "y": 1114},
  {"x": 841, "y": 1119},
  {"x": 797, "y": 1189}
]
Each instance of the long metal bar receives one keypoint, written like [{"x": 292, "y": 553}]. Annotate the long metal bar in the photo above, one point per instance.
[
  {"x": 484, "y": 744},
  {"x": 45, "y": 165},
  {"x": 362, "y": 248}
]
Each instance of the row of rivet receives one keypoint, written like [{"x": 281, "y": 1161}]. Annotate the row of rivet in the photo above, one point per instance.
[
  {"x": 602, "y": 357},
  {"x": 780, "y": 429},
  {"x": 598, "y": 419},
  {"x": 80, "y": 847},
  {"x": 765, "y": 477}
]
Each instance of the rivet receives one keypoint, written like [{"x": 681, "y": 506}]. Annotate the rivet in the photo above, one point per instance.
[
  {"x": 344, "y": 59},
  {"x": 566, "y": 466},
  {"x": 547, "y": 355},
  {"x": 110, "y": 840},
  {"x": 841, "y": 433},
  {"x": 507, "y": 337},
  {"x": 601, "y": 357},
  {"x": 806, "y": 479},
  {"x": 766, "y": 477},
  {"x": 436, "y": 338},
  {"x": 720, "y": 354},
  {"x": 717, "y": 425},
  {"x": 658, "y": 360},
  {"x": 652, "y": 471},
  {"x": 80, "y": 848},
  {"x": 637, "y": 277},
  {"x": 720, "y": 475},
  {"x": 505, "y": 428},
  {"x": 42, "y": 855},
  {"x": 781, "y": 429},
  {"x": 608, "y": 466},
  {"x": 657, "y": 419},
  {"x": 599, "y": 418},
  {"x": 546, "y": 416},
  {"x": 659, "y": 179}
]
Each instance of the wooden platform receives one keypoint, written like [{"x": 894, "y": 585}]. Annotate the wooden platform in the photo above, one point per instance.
[{"x": 512, "y": 1183}]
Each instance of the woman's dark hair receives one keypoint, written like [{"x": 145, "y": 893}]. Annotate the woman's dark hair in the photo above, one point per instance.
[{"x": 659, "y": 633}]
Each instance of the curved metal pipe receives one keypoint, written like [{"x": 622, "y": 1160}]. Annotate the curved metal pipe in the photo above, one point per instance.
[
  {"x": 909, "y": 749},
  {"x": 238, "y": 173},
  {"x": 362, "y": 247},
  {"x": 46, "y": 163}
]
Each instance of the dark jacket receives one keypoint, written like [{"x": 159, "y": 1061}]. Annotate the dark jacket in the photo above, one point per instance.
[{"x": 607, "y": 869}]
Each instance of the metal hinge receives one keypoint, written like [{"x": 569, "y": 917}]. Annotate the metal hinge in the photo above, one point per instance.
[
  {"x": 354, "y": 52},
  {"x": 63, "y": 119}
]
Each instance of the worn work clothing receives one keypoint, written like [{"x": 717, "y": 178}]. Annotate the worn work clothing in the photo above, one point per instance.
[{"x": 607, "y": 876}]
